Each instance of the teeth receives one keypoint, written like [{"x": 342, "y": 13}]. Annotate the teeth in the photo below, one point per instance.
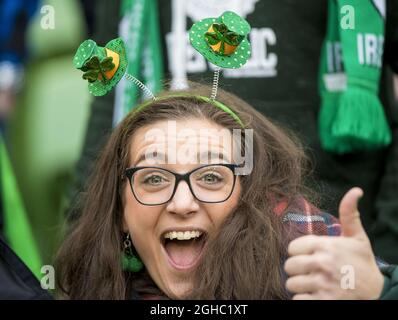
[{"x": 180, "y": 235}]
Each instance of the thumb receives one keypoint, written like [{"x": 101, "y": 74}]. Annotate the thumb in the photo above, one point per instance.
[{"x": 350, "y": 219}]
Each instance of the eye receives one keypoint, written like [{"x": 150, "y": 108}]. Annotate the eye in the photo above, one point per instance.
[
  {"x": 154, "y": 180},
  {"x": 210, "y": 178}
]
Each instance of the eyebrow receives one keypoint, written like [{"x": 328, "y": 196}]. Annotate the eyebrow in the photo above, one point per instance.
[{"x": 206, "y": 155}]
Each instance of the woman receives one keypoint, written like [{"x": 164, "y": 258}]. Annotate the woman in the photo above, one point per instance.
[{"x": 216, "y": 234}]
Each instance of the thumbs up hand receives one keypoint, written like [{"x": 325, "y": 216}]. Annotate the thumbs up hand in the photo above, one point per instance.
[
  {"x": 326, "y": 267},
  {"x": 349, "y": 216}
]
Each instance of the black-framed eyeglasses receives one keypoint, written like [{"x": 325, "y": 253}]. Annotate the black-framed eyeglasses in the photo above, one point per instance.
[{"x": 153, "y": 186}]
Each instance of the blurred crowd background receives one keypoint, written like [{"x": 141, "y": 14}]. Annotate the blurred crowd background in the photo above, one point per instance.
[{"x": 46, "y": 110}]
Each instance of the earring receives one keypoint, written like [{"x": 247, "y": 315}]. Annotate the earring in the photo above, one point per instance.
[{"x": 129, "y": 261}]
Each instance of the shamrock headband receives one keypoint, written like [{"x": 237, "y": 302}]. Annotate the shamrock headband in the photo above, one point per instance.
[{"x": 222, "y": 41}]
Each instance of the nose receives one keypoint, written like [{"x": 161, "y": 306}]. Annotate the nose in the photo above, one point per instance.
[{"x": 183, "y": 202}]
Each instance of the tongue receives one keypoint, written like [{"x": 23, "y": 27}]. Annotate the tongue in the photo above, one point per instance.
[{"x": 183, "y": 252}]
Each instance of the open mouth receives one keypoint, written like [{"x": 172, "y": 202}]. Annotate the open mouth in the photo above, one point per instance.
[{"x": 184, "y": 248}]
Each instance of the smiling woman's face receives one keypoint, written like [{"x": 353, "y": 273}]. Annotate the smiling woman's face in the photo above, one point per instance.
[{"x": 170, "y": 238}]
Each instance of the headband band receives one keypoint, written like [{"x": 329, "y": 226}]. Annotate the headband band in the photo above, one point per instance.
[
  {"x": 217, "y": 39},
  {"x": 214, "y": 103}
]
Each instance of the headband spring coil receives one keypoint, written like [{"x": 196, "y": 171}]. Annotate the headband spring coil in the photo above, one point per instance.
[
  {"x": 142, "y": 86},
  {"x": 214, "y": 88}
]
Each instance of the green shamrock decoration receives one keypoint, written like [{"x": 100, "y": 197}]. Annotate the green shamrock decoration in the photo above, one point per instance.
[
  {"x": 94, "y": 67},
  {"x": 223, "y": 35},
  {"x": 94, "y": 61},
  {"x": 229, "y": 29}
]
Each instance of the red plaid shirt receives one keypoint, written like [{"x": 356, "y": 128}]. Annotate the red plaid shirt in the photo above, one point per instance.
[{"x": 308, "y": 219}]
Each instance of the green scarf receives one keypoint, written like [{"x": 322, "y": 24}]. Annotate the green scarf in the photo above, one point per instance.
[
  {"x": 139, "y": 29},
  {"x": 351, "y": 116},
  {"x": 17, "y": 229}
]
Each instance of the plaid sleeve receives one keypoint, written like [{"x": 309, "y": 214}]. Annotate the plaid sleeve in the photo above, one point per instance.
[{"x": 307, "y": 219}]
